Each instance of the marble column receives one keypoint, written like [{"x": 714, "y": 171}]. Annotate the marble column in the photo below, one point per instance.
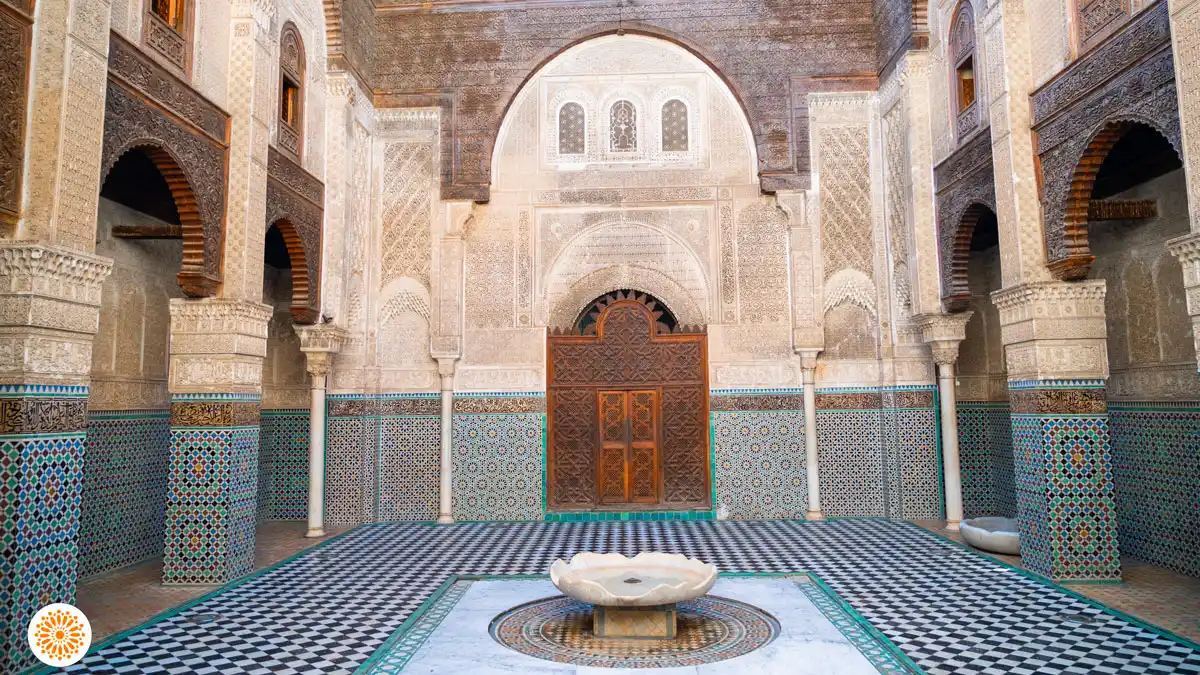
[
  {"x": 319, "y": 343},
  {"x": 215, "y": 380},
  {"x": 446, "y": 485},
  {"x": 944, "y": 333},
  {"x": 1056, "y": 352},
  {"x": 49, "y": 314},
  {"x": 1187, "y": 249},
  {"x": 808, "y": 364}
]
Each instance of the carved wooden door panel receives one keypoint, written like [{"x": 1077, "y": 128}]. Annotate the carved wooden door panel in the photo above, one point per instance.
[
  {"x": 627, "y": 470},
  {"x": 628, "y": 413}
]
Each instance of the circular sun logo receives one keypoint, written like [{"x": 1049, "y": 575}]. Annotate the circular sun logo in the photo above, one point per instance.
[{"x": 59, "y": 635}]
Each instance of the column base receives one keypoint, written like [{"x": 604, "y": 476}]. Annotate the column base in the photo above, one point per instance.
[
  {"x": 953, "y": 525},
  {"x": 445, "y": 520},
  {"x": 314, "y": 532},
  {"x": 814, "y": 515}
]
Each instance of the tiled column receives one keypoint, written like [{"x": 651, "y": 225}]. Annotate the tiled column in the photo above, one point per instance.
[
  {"x": 808, "y": 364},
  {"x": 319, "y": 344},
  {"x": 217, "y": 350},
  {"x": 49, "y": 313},
  {"x": 446, "y": 483},
  {"x": 1056, "y": 352},
  {"x": 1187, "y": 249},
  {"x": 944, "y": 333}
]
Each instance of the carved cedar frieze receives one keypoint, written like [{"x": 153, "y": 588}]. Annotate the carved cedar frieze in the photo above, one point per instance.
[
  {"x": 963, "y": 182},
  {"x": 15, "y": 39},
  {"x": 1130, "y": 78},
  {"x": 187, "y": 138},
  {"x": 295, "y": 200}
]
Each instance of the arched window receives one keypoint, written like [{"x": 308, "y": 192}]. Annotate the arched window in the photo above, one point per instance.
[
  {"x": 622, "y": 127},
  {"x": 166, "y": 29},
  {"x": 291, "y": 90},
  {"x": 674, "y": 126},
  {"x": 572, "y": 129},
  {"x": 963, "y": 56}
]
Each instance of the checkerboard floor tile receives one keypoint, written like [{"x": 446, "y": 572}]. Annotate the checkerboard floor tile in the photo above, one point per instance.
[{"x": 950, "y": 610}]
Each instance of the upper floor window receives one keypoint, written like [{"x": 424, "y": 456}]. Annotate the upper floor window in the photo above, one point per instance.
[
  {"x": 674, "y": 126},
  {"x": 622, "y": 127},
  {"x": 572, "y": 129},
  {"x": 291, "y": 89},
  {"x": 170, "y": 11},
  {"x": 963, "y": 57},
  {"x": 166, "y": 30}
]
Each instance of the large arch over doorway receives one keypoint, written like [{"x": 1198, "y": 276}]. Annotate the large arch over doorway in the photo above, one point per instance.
[{"x": 628, "y": 412}]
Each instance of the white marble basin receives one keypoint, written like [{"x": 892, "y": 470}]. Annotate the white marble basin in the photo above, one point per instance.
[
  {"x": 645, "y": 580},
  {"x": 992, "y": 533}
]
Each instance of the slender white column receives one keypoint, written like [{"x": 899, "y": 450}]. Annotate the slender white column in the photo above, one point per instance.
[
  {"x": 813, "y": 459},
  {"x": 319, "y": 343},
  {"x": 950, "y": 462},
  {"x": 446, "y": 498},
  {"x": 316, "y": 454}
]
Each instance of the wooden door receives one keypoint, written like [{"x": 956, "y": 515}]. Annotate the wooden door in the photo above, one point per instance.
[
  {"x": 627, "y": 413},
  {"x": 627, "y": 470}
]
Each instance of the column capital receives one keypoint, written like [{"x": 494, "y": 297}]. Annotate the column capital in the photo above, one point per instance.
[
  {"x": 323, "y": 337},
  {"x": 217, "y": 345},
  {"x": 944, "y": 333},
  {"x": 446, "y": 367},
  {"x": 808, "y": 357},
  {"x": 49, "y": 313},
  {"x": 1187, "y": 249},
  {"x": 1054, "y": 330}
]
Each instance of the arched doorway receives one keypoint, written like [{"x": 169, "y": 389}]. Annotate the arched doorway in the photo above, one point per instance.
[{"x": 628, "y": 410}]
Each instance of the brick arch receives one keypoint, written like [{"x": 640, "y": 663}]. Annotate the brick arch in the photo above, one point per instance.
[
  {"x": 1073, "y": 236},
  {"x": 958, "y": 295},
  {"x": 191, "y": 277},
  {"x": 303, "y": 309}
]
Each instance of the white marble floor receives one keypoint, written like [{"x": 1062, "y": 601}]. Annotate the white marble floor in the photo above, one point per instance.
[{"x": 808, "y": 643}]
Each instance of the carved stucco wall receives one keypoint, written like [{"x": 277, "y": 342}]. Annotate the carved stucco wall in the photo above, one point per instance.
[
  {"x": 946, "y": 134},
  {"x": 981, "y": 368},
  {"x": 688, "y": 227},
  {"x": 129, "y": 355},
  {"x": 1150, "y": 350}
]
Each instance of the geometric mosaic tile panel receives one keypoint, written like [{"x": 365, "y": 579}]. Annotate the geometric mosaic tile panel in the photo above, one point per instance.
[
  {"x": 986, "y": 459},
  {"x": 914, "y": 479},
  {"x": 759, "y": 464},
  {"x": 351, "y": 457},
  {"x": 498, "y": 467},
  {"x": 409, "y": 468},
  {"x": 212, "y": 489},
  {"x": 1156, "y": 476},
  {"x": 283, "y": 465},
  {"x": 41, "y": 488},
  {"x": 1063, "y": 477},
  {"x": 948, "y": 609},
  {"x": 853, "y": 481},
  {"x": 124, "y": 489}
]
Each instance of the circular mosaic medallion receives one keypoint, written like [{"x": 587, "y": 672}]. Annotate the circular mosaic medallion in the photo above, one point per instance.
[{"x": 709, "y": 629}]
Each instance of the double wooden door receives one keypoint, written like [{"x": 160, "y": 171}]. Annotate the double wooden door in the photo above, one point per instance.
[{"x": 627, "y": 470}]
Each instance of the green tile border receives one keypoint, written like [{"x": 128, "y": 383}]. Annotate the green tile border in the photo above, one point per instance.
[
  {"x": 1044, "y": 581},
  {"x": 162, "y": 616},
  {"x": 395, "y": 653}
]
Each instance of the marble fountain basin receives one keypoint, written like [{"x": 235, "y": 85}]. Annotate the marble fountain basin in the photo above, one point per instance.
[
  {"x": 992, "y": 533},
  {"x": 633, "y": 597}
]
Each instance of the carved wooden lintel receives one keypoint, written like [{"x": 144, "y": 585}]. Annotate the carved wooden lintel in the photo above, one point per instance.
[
  {"x": 148, "y": 231},
  {"x": 1122, "y": 209}
]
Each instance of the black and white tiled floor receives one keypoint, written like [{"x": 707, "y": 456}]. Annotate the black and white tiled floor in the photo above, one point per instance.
[{"x": 949, "y": 609}]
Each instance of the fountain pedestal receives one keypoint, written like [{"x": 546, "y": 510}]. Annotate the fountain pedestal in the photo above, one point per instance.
[{"x": 655, "y": 622}]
